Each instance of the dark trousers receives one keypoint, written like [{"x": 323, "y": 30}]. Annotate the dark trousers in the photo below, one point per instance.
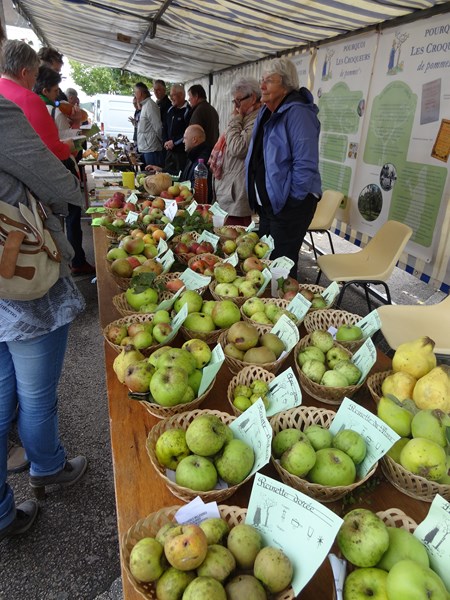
[
  {"x": 75, "y": 235},
  {"x": 288, "y": 228}
]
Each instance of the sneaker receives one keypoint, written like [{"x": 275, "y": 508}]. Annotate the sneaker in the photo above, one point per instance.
[
  {"x": 17, "y": 460},
  {"x": 85, "y": 269},
  {"x": 25, "y": 516},
  {"x": 72, "y": 471}
]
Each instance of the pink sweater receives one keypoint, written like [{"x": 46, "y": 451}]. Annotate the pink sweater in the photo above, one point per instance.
[{"x": 37, "y": 114}]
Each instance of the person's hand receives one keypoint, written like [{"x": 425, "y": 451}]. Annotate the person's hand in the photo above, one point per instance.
[
  {"x": 169, "y": 145},
  {"x": 153, "y": 168},
  {"x": 132, "y": 120}
]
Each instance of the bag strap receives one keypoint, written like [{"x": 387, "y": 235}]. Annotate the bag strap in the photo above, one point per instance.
[{"x": 10, "y": 253}]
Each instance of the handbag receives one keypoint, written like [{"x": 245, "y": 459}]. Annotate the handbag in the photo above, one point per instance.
[
  {"x": 29, "y": 258},
  {"x": 215, "y": 161}
]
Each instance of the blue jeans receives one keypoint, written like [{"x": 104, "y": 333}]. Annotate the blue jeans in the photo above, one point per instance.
[
  {"x": 153, "y": 158},
  {"x": 29, "y": 375}
]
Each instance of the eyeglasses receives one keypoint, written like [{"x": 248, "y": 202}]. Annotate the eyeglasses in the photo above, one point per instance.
[
  {"x": 269, "y": 80},
  {"x": 237, "y": 101}
]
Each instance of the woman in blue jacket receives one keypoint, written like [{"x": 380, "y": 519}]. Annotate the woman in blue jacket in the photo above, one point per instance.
[{"x": 282, "y": 164}]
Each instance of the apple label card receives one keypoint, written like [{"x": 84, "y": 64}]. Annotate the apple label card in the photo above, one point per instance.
[
  {"x": 233, "y": 259},
  {"x": 171, "y": 210},
  {"x": 162, "y": 247},
  {"x": 277, "y": 274},
  {"x": 133, "y": 198},
  {"x": 365, "y": 358},
  {"x": 217, "y": 211},
  {"x": 193, "y": 280},
  {"x": 166, "y": 260},
  {"x": 207, "y": 236},
  {"x": 282, "y": 262},
  {"x": 370, "y": 324},
  {"x": 196, "y": 511},
  {"x": 287, "y": 331},
  {"x": 284, "y": 393},
  {"x": 267, "y": 277},
  {"x": 169, "y": 230},
  {"x": 177, "y": 322},
  {"x": 132, "y": 217},
  {"x": 251, "y": 227},
  {"x": 211, "y": 369},
  {"x": 378, "y": 436},
  {"x": 339, "y": 568},
  {"x": 434, "y": 533},
  {"x": 267, "y": 239},
  {"x": 300, "y": 526},
  {"x": 330, "y": 293},
  {"x": 253, "y": 428},
  {"x": 299, "y": 306},
  {"x": 167, "y": 304},
  {"x": 191, "y": 208}
]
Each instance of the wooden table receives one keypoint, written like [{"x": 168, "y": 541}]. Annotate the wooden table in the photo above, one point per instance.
[{"x": 139, "y": 491}]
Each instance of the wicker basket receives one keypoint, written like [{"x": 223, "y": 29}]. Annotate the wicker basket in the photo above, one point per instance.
[
  {"x": 412, "y": 485},
  {"x": 111, "y": 212},
  {"x": 394, "y": 517},
  {"x": 277, "y": 301},
  {"x": 182, "y": 421},
  {"x": 315, "y": 289},
  {"x": 163, "y": 412},
  {"x": 323, "y": 319},
  {"x": 122, "y": 306},
  {"x": 134, "y": 318},
  {"x": 240, "y": 229},
  {"x": 207, "y": 255},
  {"x": 161, "y": 280},
  {"x": 182, "y": 258},
  {"x": 149, "y": 527},
  {"x": 325, "y": 394},
  {"x": 300, "y": 418},
  {"x": 235, "y": 365},
  {"x": 210, "y": 337},
  {"x": 374, "y": 383},
  {"x": 122, "y": 282},
  {"x": 238, "y": 300},
  {"x": 246, "y": 377}
]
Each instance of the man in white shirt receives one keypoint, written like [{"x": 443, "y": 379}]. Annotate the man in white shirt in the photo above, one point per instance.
[{"x": 149, "y": 131}]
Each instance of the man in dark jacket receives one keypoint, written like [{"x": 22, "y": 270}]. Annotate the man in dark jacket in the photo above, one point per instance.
[
  {"x": 176, "y": 122},
  {"x": 203, "y": 114},
  {"x": 196, "y": 148}
]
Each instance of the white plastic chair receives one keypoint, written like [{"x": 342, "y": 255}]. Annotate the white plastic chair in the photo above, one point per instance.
[{"x": 324, "y": 216}]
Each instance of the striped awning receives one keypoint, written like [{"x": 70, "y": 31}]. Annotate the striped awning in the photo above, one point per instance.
[{"x": 181, "y": 40}]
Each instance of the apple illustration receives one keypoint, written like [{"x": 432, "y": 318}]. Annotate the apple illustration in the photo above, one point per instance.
[
  {"x": 332, "y": 468},
  {"x": 368, "y": 582},
  {"x": 196, "y": 473},
  {"x": 147, "y": 560},
  {"x": 407, "y": 580},
  {"x": 186, "y": 548},
  {"x": 348, "y": 333},
  {"x": 171, "y": 448},
  {"x": 363, "y": 538}
]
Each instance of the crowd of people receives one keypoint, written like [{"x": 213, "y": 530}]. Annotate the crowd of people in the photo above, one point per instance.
[{"x": 265, "y": 162}]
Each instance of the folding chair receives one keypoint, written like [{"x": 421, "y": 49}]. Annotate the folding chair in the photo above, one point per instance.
[
  {"x": 373, "y": 265},
  {"x": 324, "y": 216}
]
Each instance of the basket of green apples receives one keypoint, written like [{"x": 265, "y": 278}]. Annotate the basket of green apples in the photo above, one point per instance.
[
  {"x": 324, "y": 368},
  {"x": 213, "y": 318},
  {"x": 250, "y": 384},
  {"x": 146, "y": 332},
  {"x": 196, "y": 454},
  {"x": 145, "y": 302},
  {"x": 220, "y": 558},
  {"x": 227, "y": 284},
  {"x": 386, "y": 560},
  {"x": 266, "y": 311},
  {"x": 348, "y": 333},
  {"x": 310, "y": 459}
]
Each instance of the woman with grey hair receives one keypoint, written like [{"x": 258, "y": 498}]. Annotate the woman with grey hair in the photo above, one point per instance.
[
  {"x": 228, "y": 156},
  {"x": 282, "y": 164}
]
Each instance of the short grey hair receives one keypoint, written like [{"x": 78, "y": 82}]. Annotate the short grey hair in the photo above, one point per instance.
[
  {"x": 18, "y": 55},
  {"x": 246, "y": 86},
  {"x": 71, "y": 92},
  {"x": 178, "y": 87},
  {"x": 286, "y": 69}
]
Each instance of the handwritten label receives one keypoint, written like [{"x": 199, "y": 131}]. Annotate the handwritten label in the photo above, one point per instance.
[
  {"x": 330, "y": 293},
  {"x": 268, "y": 239},
  {"x": 216, "y": 210},
  {"x": 287, "y": 331},
  {"x": 284, "y": 393},
  {"x": 207, "y": 236},
  {"x": 192, "y": 208},
  {"x": 302, "y": 527},
  {"x": 169, "y": 230},
  {"x": 133, "y": 198},
  {"x": 193, "y": 280},
  {"x": 196, "y": 511},
  {"x": 370, "y": 324},
  {"x": 253, "y": 428},
  {"x": 282, "y": 262},
  {"x": 211, "y": 369},
  {"x": 365, "y": 358},
  {"x": 378, "y": 436},
  {"x": 299, "y": 305},
  {"x": 267, "y": 278},
  {"x": 233, "y": 259},
  {"x": 166, "y": 260},
  {"x": 131, "y": 217},
  {"x": 171, "y": 210},
  {"x": 177, "y": 322},
  {"x": 162, "y": 247},
  {"x": 167, "y": 304},
  {"x": 251, "y": 227}
]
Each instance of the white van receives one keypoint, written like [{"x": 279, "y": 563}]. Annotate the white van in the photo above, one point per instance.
[{"x": 113, "y": 111}]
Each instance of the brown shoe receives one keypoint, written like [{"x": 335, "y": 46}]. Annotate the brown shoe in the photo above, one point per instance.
[
  {"x": 85, "y": 269},
  {"x": 17, "y": 459}
]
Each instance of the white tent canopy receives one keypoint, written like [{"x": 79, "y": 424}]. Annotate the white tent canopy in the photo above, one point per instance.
[{"x": 181, "y": 40}]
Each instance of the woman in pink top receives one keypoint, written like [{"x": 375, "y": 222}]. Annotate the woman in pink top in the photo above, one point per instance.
[{"x": 20, "y": 68}]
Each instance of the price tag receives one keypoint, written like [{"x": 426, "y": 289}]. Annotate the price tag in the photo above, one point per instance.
[
  {"x": 166, "y": 260},
  {"x": 171, "y": 210},
  {"x": 233, "y": 259},
  {"x": 207, "y": 236},
  {"x": 196, "y": 511},
  {"x": 177, "y": 322},
  {"x": 284, "y": 393},
  {"x": 193, "y": 280},
  {"x": 253, "y": 428},
  {"x": 251, "y": 227},
  {"x": 267, "y": 277},
  {"x": 268, "y": 239},
  {"x": 133, "y": 198},
  {"x": 162, "y": 247},
  {"x": 167, "y": 304},
  {"x": 433, "y": 532},
  {"x": 370, "y": 324},
  {"x": 365, "y": 358},
  {"x": 378, "y": 436},
  {"x": 131, "y": 217},
  {"x": 216, "y": 210},
  {"x": 299, "y": 305},
  {"x": 211, "y": 369},
  {"x": 287, "y": 331},
  {"x": 330, "y": 293},
  {"x": 191, "y": 208},
  {"x": 282, "y": 262},
  {"x": 169, "y": 230},
  {"x": 304, "y": 528}
]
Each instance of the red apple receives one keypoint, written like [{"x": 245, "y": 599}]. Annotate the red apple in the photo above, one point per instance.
[{"x": 181, "y": 248}]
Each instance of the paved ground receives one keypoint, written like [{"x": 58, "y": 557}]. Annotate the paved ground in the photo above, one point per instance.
[{"x": 72, "y": 552}]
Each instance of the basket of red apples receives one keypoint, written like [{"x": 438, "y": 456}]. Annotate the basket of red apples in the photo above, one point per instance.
[
  {"x": 185, "y": 246},
  {"x": 310, "y": 459},
  {"x": 115, "y": 203},
  {"x": 218, "y": 559},
  {"x": 348, "y": 333},
  {"x": 204, "y": 263},
  {"x": 290, "y": 287}
]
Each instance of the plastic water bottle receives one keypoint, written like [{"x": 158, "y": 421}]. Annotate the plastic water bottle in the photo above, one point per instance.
[{"x": 201, "y": 182}]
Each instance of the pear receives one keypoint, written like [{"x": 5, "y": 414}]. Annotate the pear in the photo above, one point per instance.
[
  {"x": 398, "y": 418},
  {"x": 128, "y": 356},
  {"x": 273, "y": 342},
  {"x": 416, "y": 358},
  {"x": 432, "y": 391},
  {"x": 400, "y": 385},
  {"x": 431, "y": 424},
  {"x": 259, "y": 355}
]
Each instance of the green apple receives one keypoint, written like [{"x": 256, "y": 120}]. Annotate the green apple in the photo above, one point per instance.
[
  {"x": 349, "y": 370},
  {"x": 207, "y": 306},
  {"x": 259, "y": 386},
  {"x": 285, "y": 439},
  {"x": 196, "y": 473},
  {"x": 216, "y": 530},
  {"x": 310, "y": 353},
  {"x": 116, "y": 333},
  {"x": 352, "y": 443},
  {"x": 137, "y": 299},
  {"x": 242, "y": 403},
  {"x": 332, "y": 468},
  {"x": 147, "y": 560},
  {"x": 186, "y": 547},
  {"x": 177, "y": 357},
  {"x": 164, "y": 532},
  {"x": 245, "y": 586},
  {"x": 142, "y": 339},
  {"x": 235, "y": 461},
  {"x": 172, "y": 583},
  {"x": 334, "y": 355},
  {"x": 168, "y": 385},
  {"x": 115, "y": 253},
  {"x": 194, "y": 380},
  {"x": 398, "y": 418},
  {"x": 197, "y": 321},
  {"x": 314, "y": 370},
  {"x": 261, "y": 249},
  {"x": 199, "y": 350},
  {"x": 364, "y": 583},
  {"x": 206, "y": 434},
  {"x": 431, "y": 424},
  {"x": 243, "y": 335},
  {"x": 255, "y": 276},
  {"x": 322, "y": 340},
  {"x": 395, "y": 450},
  {"x": 154, "y": 356},
  {"x": 271, "y": 310},
  {"x": 243, "y": 390},
  {"x": 161, "y": 316},
  {"x": 333, "y": 379},
  {"x": 138, "y": 376},
  {"x": 407, "y": 580},
  {"x": 252, "y": 306},
  {"x": 225, "y": 313},
  {"x": 149, "y": 307},
  {"x": 363, "y": 538},
  {"x": 248, "y": 289},
  {"x": 261, "y": 317},
  {"x": 348, "y": 333},
  {"x": 162, "y": 331},
  {"x": 219, "y": 563},
  {"x": 319, "y": 437},
  {"x": 403, "y": 545},
  {"x": 190, "y": 297},
  {"x": 273, "y": 568},
  {"x": 205, "y": 588},
  {"x": 299, "y": 459},
  {"x": 245, "y": 542},
  {"x": 171, "y": 448},
  {"x": 224, "y": 273},
  {"x": 425, "y": 458},
  {"x": 228, "y": 290}
]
